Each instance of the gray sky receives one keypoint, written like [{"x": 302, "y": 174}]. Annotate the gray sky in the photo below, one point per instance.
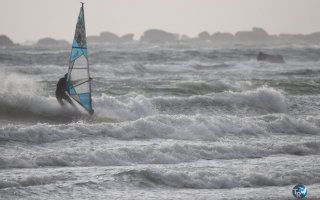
[{"x": 33, "y": 19}]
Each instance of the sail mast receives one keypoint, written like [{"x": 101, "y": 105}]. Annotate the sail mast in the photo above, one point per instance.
[{"x": 85, "y": 32}]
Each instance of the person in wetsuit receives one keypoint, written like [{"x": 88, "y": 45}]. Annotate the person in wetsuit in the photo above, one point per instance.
[{"x": 61, "y": 91}]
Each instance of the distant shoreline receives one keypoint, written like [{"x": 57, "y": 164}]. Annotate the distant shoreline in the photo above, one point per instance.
[{"x": 256, "y": 35}]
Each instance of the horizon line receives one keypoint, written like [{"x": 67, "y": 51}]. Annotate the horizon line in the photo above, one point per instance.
[{"x": 179, "y": 34}]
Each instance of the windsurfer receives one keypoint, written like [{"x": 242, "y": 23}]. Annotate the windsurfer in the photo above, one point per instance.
[{"x": 61, "y": 91}]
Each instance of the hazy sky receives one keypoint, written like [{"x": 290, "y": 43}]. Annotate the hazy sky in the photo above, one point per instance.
[{"x": 33, "y": 19}]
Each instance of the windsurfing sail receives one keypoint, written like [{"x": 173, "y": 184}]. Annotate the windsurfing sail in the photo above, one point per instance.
[{"x": 78, "y": 79}]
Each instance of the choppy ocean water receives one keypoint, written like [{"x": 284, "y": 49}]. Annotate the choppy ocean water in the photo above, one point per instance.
[{"x": 188, "y": 122}]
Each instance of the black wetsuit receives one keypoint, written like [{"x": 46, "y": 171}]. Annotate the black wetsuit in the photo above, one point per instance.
[{"x": 61, "y": 91}]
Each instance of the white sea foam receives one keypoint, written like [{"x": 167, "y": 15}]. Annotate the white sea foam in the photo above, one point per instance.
[{"x": 121, "y": 109}]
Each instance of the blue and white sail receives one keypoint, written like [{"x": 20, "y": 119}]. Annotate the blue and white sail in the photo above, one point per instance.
[{"x": 79, "y": 81}]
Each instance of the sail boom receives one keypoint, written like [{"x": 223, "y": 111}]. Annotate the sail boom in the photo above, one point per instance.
[
  {"x": 81, "y": 83},
  {"x": 79, "y": 47}
]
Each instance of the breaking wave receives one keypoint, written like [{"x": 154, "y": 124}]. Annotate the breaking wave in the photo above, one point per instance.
[
  {"x": 265, "y": 100},
  {"x": 31, "y": 181},
  {"x": 26, "y": 100},
  {"x": 155, "y": 153},
  {"x": 212, "y": 180},
  {"x": 180, "y": 127}
]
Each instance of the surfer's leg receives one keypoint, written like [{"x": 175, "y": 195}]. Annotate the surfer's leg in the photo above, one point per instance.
[
  {"x": 59, "y": 98},
  {"x": 60, "y": 101},
  {"x": 67, "y": 98}
]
